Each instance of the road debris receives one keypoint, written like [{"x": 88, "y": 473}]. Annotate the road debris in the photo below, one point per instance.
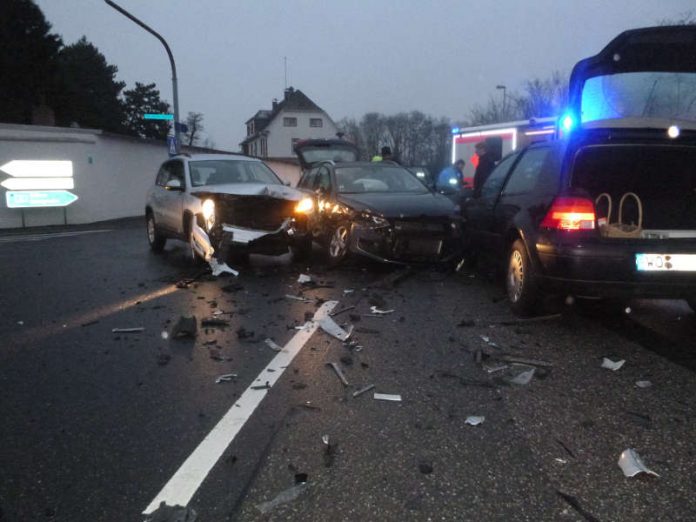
[
  {"x": 218, "y": 268},
  {"x": 165, "y": 513},
  {"x": 474, "y": 420},
  {"x": 631, "y": 464},
  {"x": 387, "y": 397},
  {"x": 492, "y": 367},
  {"x": 339, "y": 372},
  {"x": 334, "y": 314},
  {"x": 226, "y": 377},
  {"x": 329, "y": 451},
  {"x": 304, "y": 279},
  {"x": 523, "y": 378},
  {"x": 214, "y": 322},
  {"x": 325, "y": 439},
  {"x": 362, "y": 390},
  {"x": 378, "y": 311},
  {"x": 488, "y": 341},
  {"x": 272, "y": 345},
  {"x": 128, "y": 330},
  {"x": 266, "y": 386},
  {"x": 643, "y": 384},
  {"x": 348, "y": 291},
  {"x": 612, "y": 365},
  {"x": 522, "y": 360},
  {"x": 561, "y": 461},
  {"x": 185, "y": 327},
  {"x": 298, "y": 298},
  {"x": 283, "y": 497},
  {"x": 330, "y": 327}
]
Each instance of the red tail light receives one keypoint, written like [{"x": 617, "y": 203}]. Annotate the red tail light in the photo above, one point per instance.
[{"x": 570, "y": 214}]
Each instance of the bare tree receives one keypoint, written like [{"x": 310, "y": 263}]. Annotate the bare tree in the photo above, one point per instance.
[
  {"x": 686, "y": 18},
  {"x": 194, "y": 122}
]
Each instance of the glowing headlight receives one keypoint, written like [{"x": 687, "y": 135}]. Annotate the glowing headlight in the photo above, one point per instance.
[
  {"x": 209, "y": 213},
  {"x": 453, "y": 181},
  {"x": 305, "y": 206}
]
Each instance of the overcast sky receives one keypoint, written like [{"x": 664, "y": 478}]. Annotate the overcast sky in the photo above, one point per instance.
[{"x": 350, "y": 57}]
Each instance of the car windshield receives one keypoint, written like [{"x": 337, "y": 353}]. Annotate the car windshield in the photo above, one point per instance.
[
  {"x": 378, "y": 178},
  {"x": 221, "y": 172},
  {"x": 337, "y": 154},
  {"x": 640, "y": 95}
]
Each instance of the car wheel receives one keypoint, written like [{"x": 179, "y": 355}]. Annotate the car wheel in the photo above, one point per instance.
[
  {"x": 301, "y": 250},
  {"x": 520, "y": 281},
  {"x": 337, "y": 248},
  {"x": 154, "y": 237}
]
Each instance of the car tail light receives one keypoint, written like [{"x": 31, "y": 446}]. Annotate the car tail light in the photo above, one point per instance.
[{"x": 570, "y": 214}]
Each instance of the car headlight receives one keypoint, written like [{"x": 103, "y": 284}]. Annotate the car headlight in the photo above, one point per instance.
[
  {"x": 305, "y": 206},
  {"x": 209, "y": 213}
]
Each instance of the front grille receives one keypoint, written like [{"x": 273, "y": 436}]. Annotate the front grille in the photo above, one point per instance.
[
  {"x": 255, "y": 212},
  {"x": 419, "y": 227}
]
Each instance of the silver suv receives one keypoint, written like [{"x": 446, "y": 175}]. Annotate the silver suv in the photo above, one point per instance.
[{"x": 226, "y": 206}]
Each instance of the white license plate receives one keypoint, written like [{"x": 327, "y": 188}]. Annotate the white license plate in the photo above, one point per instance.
[{"x": 666, "y": 262}]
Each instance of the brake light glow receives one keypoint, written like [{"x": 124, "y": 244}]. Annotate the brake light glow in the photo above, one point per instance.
[{"x": 570, "y": 214}]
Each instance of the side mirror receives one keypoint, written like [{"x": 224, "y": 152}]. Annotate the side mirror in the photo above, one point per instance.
[{"x": 173, "y": 184}]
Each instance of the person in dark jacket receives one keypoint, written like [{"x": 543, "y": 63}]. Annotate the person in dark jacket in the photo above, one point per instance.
[{"x": 484, "y": 168}]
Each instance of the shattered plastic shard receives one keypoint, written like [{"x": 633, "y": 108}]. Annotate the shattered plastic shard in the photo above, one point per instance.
[
  {"x": 363, "y": 390},
  {"x": 523, "y": 378},
  {"x": 474, "y": 420},
  {"x": 643, "y": 384},
  {"x": 127, "y": 330},
  {"x": 387, "y": 397},
  {"x": 272, "y": 345},
  {"x": 330, "y": 327},
  {"x": 298, "y": 298},
  {"x": 220, "y": 268},
  {"x": 325, "y": 439},
  {"x": 304, "y": 278},
  {"x": 612, "y": 365},
  {"x": 377, "y": 311},
  {"x": 631, "y": 464},
  {"x": 227, "y": 377},
  {"x": 339, "y": 372},
  {"x": 165, "y": 335},
  {"x": 282, "y": 498}
]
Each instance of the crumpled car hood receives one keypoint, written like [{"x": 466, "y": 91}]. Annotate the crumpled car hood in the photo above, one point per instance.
[
  {"x": 392, "y": 205},
  {"x": 251, "y": 189}
]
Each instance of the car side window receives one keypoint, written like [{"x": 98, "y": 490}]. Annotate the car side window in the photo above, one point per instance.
[
  {"x": 526, "y": 174},
  {"x": 162, "y": 175},
  {"x": 323, "y": 180},
  {"x": 176, "y": 171},
  {"x": 495, "y": 181},
  {"x": 307, "y": 181}
]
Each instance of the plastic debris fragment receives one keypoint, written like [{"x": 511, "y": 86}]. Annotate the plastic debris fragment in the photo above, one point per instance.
[
  {"x": 298, "y": 298},
  {"x": 359, "y": 392},
  {"x": 474, "y": 420},
  {"x": 330, "y": 327},
  {"x": 524, "y": 378},
  {"x": 304, "y": 278},
  {"x": 339, "y": 372},
  {"x": 612, "y": 365},
  {"x": 226, "y": 377},
  {"x": 165, "y": 335},
  {"x": 387, "y": 397},
  {"x": 631, "y": 464},
  {"x": 127, "y": 330},
  {"x": 218, "y": 268},
  {"x": 348, "y": 291},
  {"x": 283, "y": 498},
  {"x": 643, "y": 384},
  {"x": 272, "y": 345},
  {"x": 378, "y": 311}
]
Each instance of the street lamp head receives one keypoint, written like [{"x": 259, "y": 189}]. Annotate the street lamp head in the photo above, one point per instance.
[{"x": 500, "y": 87}]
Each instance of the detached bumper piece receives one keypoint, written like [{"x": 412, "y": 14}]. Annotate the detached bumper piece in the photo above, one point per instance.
[{"x": 407, "y": 242}]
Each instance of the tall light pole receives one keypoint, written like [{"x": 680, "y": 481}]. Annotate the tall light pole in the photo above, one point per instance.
[
  {"x": 504, "y": 89},
  {"x": 171, "y": 62}
]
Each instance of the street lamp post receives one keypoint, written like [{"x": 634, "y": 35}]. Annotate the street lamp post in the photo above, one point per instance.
[
  {"x": 504, "y": 89},
  {"x": 171, "y": 61}
]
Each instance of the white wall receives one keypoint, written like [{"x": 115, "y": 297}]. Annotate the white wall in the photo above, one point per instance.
[
  {"x": 111, "y": 173},
  {"x": 280, "y": 138}
]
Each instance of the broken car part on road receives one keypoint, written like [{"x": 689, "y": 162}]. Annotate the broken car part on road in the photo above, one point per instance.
[
  {"x": 339, "y": 372},
  {"x": 631, "y": 464}
]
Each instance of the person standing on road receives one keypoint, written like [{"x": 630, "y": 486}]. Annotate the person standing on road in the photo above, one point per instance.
[
  {"x": 385, "y": 155},
  {"x": 451, "y": 178},
  {"x": 484, "y": 168}
]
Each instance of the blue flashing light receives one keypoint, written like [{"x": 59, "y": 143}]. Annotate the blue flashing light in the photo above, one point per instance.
[
  {"x": 455, "y": 130},
  {"x": 567, "y": 122}
]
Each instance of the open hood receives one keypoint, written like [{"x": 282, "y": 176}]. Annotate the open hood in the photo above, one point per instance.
[
  {"x": 645, "y": 73},
  {"x": 311, "y": 152}
]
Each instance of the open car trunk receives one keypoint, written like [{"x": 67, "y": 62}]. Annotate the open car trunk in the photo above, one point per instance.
[{"x": 663, "y": 176}]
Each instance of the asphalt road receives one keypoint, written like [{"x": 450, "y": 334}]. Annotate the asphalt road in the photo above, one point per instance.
[{"x": 96, "y": 423}]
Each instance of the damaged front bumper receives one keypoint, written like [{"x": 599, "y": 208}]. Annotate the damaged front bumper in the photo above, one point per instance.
[
  {"x": 408, "y": 243},
  {"x": 224, "y": 238}
]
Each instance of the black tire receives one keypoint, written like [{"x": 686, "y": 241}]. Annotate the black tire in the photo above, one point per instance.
[
  {"x": 337, "y": 244},
  {"x": 520, "y": 281},
  {"x": 301, "y": 250},
  {"x": 154, "y": 237},
  {"x": 691, "y": 301}
]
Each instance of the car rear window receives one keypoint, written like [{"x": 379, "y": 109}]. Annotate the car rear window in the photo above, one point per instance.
[{"x": 663, "y": 177}]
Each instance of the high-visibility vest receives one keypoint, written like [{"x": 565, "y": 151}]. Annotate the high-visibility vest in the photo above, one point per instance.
[{"x": 376, "y": 158}]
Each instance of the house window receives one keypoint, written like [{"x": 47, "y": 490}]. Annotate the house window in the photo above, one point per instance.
[
  {"x": 289, "y": 122},
  {"x": 264, "y": 148},
  {"x": 316, "y": 122}
]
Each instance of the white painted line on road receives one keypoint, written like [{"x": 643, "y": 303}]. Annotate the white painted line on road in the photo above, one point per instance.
[
  {"x": 42, "y": 237},
  {"x": 188, "y": 478}
]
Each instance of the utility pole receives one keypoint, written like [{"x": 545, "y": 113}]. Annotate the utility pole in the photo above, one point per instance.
[{"x": 171, "y": 62}]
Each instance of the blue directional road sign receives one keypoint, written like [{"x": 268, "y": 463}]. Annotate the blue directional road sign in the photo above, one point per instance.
[
  {"x": 39, "y": 198},
  {"x": 153, "y": 116}
]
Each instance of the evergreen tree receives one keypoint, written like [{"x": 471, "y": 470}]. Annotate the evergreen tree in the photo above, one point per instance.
[{"x": 138, "y": 101}]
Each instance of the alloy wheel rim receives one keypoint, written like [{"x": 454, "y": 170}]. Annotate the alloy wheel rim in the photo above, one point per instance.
[
  {"x": 338, "y": 242},
  {"x": 515, "y": 276}
]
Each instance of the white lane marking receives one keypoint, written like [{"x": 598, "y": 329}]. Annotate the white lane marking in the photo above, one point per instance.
[
  {"x": 42, "y": 237},
  {"x": 188, "y": 478}
]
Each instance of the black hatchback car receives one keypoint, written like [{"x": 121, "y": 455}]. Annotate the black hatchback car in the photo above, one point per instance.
[{"x": 550, "y": 213}]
